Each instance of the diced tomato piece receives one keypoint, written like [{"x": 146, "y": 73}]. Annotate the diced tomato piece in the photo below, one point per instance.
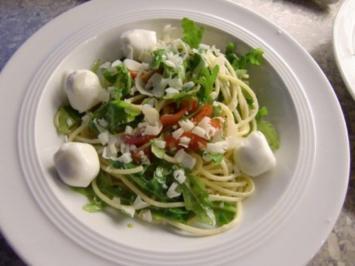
[
  {"x": 172, "y": 119},
  {"x": 133, "y": 74},
  {"x": 137, "y": 140},
  {"x": 190, "y": 104},
  {"x": 196, "y": 143},
  {"x": 215, "y": 123},
  {"x": 136, "y": 156},
  {"x": 206, "y": 110},
  {"x": 171, "y": 142}
]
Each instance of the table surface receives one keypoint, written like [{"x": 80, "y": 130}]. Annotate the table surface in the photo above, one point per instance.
[{"x": 308, "y": 22}]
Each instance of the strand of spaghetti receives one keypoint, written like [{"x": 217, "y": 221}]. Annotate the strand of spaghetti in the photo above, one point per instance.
[
  {"x": 213, "y": 177},
  {"x": 169, "y": 159},
  {"x": 233, "y": 184},
  {"x": 113, "y": 203},
  {"x": 135, "y": 98},
  {"x": 86, "y": 140},
  {"x": 213, "y": 197},
  {"x": 146, "y": 198},
  {"x": 116, "y": 171},
  {"x": 224, "y": 167},
  {"x": 225, "y": 191},
  {"x": 77, "y": 131},
  {"x": 207, "y": 232}
]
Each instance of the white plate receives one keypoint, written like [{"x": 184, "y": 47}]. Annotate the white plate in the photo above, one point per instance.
[
  {"x": 344, "y": 43},
  {"x": 301, "y": 193}
]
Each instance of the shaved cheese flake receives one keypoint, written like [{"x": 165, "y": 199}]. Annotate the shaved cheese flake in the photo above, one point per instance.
[
  {"x": 199, "y": 131},
  {"x": 139, "y": 203},
  {"x": 125, "y": 158},
  {"x": 185, "y": 159},
  {"x": 185, "y": 141},
  {"x": 104, "y": 137},
  {"x": 172, "y": 193},
  {"x": 178, "y": 133},
  {"x": 217, "y": 147},
  {"x": 186, "y": 124},
  {"x": 179, "y": 175}
]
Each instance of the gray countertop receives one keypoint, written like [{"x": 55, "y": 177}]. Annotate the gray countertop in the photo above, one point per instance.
[{"x": 308, "y": 22}]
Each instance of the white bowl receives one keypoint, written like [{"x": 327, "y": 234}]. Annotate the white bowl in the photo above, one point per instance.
[{"x": 107, "y": 234}]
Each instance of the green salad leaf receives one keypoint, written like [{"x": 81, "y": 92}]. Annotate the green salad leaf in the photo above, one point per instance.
[
  {"x": 192, "y": 34},
  {"x": 95, "y": 204},
  {"x": 67, "y": 119},
  {"x": 117, "y": 113},
  {"x": 176, "y": 214},
  {"x": 158, "y": 59},
  {"x": 213, "y": 157},
  {"x": 111, "y": 190},
  {"x": 224, "y": 212},
  {"x": 263, "y": 111},
  {"x": 253, "y": 57},
  {"x": 196, "y": 199},
  {"x": 207, "y": 79}
]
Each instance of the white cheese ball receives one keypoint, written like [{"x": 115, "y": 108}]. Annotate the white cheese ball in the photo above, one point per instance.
[
  {"x": 77, "y": 163},
  {"x": 83, "y": 89},
  {"x": 135, "y": 43},
  {"x": 254, "y": 156}
]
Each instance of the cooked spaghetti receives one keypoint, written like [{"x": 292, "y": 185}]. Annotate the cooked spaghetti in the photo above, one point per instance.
[{"x": 167, "y": 130}]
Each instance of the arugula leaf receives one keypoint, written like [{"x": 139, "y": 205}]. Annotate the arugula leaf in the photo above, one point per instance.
[
  {"x": 224, "y": 212},
  {"x": 66, "y": 119},
  {"x": 111, "y": 190},
  {"x": 213, "y": 157},
  {"x": 206, "y": 80},
  {"x": 95, "y": 204},
  {"x": 263, "y": 111},
  {"x": 158, "y": 152},
  {"x": 192, "y": 34},
  {"x": 123, "y": 79},
  {"x": 158, "y": 59},
  {"x": 270, "y": 133},
  {"x": 253, "y": 57},
  {"x": 150, "y": 181},
  {"x": 196, "y": 199},
  {"x": 117, "y": 113},
  {"x": 175, "y": 214},
  {"x": 118, "y": 77}
]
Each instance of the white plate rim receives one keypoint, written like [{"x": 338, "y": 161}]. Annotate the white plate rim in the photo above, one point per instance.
[
  {"x": 341, "y": 193},
  {"x": 344, "y": 46}
]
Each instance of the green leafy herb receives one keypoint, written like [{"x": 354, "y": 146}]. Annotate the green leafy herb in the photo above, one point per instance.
[
  {"x": 158, "y": 152},
  {"x": 224, "y": 212},
  {"x": 196, "y": 199},
  {"x": 158, "y": 59},
  {"x": 263, "y": 111},
  {"x": 94, "y": 203},
  {"x": 270, "y": 133},
  {"x": 175, "y": 214},
  {"x": 192, "y": 34},
  {"x": 117, "y": 113},
  {"x": 206, "y": 80},
  {"x": 67, "y": 119},
  {"x": 253, "y": 57},
  {"x": 111, "y": 190},
  {"x": 150, "y": 180},
  {"x": 213, "y": 157}
]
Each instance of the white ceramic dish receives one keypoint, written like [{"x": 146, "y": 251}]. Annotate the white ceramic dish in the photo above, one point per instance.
[
  {"x": 272, "y": 216},
  {"x": 344, "y": 43}
]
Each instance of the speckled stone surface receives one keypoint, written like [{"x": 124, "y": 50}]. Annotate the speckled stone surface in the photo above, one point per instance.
[{"x": 308, "y": 22}]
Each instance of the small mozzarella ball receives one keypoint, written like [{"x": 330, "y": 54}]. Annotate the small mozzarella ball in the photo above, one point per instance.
[
  {"x": 77, "y": 163},
  {"x": 253, "y": 156},
  {"x": 83, "y": 89},
  {"x": 135, "y": 43}
]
